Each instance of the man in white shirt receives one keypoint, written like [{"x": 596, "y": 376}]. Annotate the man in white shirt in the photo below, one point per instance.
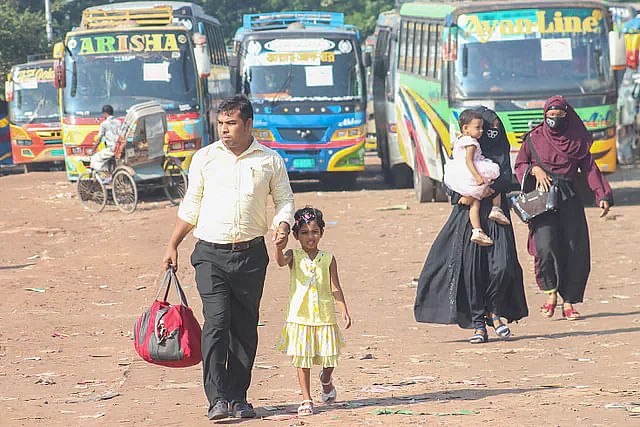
[
  {"x": 109, "y": 129},
  {"x": 225, "y": 206}
]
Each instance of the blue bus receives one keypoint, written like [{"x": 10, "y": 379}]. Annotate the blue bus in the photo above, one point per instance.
[{"x": 304, "y": 73}]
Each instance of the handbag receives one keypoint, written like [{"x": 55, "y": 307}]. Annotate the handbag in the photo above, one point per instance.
[
  {"x": 169, "y": 335},
  {"x": 534, "y": 203}
]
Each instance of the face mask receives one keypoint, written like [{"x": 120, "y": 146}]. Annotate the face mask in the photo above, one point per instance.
[
  {"x": 493, "y": 133},
  {"x": 557, "y": 123}
]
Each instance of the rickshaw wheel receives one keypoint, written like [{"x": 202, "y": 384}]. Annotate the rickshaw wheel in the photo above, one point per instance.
[
  {"x": 175, "y": 183},
  {"x": 125, "y": 191},
  {"x": 91, "y": 192}
]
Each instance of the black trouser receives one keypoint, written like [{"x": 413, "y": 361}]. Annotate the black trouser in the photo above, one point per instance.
[
  {"x": 230, "y": 284},
  {"x": 562, "y": 253}
]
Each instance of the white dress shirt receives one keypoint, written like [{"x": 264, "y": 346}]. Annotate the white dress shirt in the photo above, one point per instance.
[{"x": 226, "y": 198}]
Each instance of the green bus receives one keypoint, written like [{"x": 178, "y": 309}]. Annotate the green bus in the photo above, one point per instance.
[{"x": 507, "y": 56}]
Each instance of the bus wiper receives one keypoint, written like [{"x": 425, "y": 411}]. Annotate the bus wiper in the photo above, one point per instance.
[
  {"x": 184, "y": 73},
  {"x": 465, "y": 60},
  {"x": 285, "y": 86},
  {"x": 597, "y": 57},
  {"x": 74, "y": 73}
]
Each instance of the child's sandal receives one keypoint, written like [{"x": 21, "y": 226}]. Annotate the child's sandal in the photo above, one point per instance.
[
  {"x": 480, "y": 238},
  {"x": 331, "y": 396},
  {"x": 306, "y": 408}
]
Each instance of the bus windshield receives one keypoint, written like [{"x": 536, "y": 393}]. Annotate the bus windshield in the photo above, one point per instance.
[
  {"x": 34, "y": 102},
  {"x": 532, "y": 52},
  {"x": 290, "y": 69},
  {"x": 128, "y": 68}
]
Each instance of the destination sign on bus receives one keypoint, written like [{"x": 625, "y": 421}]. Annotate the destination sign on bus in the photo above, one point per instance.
[
  {"x": 507, "y": 24},
  {"x": 126, "y": 43},
  {"x": 34, "y": 74}
]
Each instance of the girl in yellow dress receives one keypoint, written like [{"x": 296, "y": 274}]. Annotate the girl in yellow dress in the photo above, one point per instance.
[{"x": 311, "y": 335}]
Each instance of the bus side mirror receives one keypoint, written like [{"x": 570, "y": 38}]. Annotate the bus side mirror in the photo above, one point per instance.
[
  {"x": 59, "y": 75},
  {"x": 632, "y": 42},
  {"x": 8, "y": 89},
  {"x": 617, "y": 50},
  {"x": 203, "y": 61},
  {"x": 366, "y": 59}
]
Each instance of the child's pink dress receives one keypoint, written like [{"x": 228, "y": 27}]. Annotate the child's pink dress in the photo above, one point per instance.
[{"x": 459, "y": 178}]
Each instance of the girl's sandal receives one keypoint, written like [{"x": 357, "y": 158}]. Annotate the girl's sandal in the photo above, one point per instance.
[
  {"x": 571, "y": 314},
  {"x": 547, "y": 310},
  {"x": 502, "y": 330},
  {"x": 306, "y": 408},
  {"x": 479, "y": 338},
  {"x": 331, "y": 396}
]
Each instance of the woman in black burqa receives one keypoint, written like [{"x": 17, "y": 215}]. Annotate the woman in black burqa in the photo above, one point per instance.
[{"x": 467, "y": 284}]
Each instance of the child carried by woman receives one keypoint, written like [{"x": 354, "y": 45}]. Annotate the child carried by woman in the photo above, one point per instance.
[{"x": 469, "y": 173}]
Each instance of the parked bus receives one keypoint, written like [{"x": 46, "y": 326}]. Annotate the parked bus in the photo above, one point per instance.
[
  {"x": 304, "y": 73},
  {"x": 370, "y": 140},
  {"x": 395, "y": 170},
  {"x": 127, "y": 53},
  {"x": 34, "y": 115},
  {"x": 508, "y": 56}
]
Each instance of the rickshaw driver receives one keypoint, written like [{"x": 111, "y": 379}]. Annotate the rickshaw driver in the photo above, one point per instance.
[{"x": 109, "y": 129}]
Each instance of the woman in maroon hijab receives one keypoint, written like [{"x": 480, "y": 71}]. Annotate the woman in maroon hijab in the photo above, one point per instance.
[{"x": 559, "y": 241}]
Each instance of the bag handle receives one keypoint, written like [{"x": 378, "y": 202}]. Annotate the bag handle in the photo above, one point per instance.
[
  {"x": 535, "y": 156},
  {"x": 170, "y": 276}
]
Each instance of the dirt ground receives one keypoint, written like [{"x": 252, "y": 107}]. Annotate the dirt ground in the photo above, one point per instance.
[{"x": 74, "y": 283}]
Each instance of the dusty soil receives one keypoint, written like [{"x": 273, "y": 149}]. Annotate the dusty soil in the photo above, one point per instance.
[{"x": 74, "y": 283}]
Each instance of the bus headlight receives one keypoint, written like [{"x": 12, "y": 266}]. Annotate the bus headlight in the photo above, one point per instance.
[
  {"x": 191, "y": 145},
  {"x": 88, "y": 151},
  {"x": 175, "y": 146},
  {"x": 601, "y": 134},
  {"x": 349, "y": 133},
  {"x": 75, "y": 150},
  {"x": 23, "y": 142},
  {"x": 263, "y": 135}
]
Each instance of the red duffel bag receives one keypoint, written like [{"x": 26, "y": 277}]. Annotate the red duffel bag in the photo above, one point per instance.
[{"x": 169, "y": 335}]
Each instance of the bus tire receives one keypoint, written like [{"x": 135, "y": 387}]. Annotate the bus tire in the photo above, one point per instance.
[
  {"x": 422, "y": 186},
  {"x": 440, "y": 192},
  {"x": 401, "y": 176},
  {"x": 340, "y": 180}
]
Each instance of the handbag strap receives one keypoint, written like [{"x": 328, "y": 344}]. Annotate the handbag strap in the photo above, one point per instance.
[
  {"x": 535, "y": 156},
  {"x": 170, "y": 276}
]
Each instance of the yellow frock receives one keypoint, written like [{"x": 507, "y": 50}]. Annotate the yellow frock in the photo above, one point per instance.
[{"x": 310, "y": 334}]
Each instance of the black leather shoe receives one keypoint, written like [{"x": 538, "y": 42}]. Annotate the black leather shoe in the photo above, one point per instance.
[
  {"x": 219, "y": 410},
  {"x": 242, "y": 409}
]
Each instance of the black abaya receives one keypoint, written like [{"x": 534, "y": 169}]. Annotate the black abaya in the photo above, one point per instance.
[{"x": 460, "y": 281}]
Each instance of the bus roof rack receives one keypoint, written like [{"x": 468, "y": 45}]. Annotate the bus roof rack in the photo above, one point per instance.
[
  {"x": 107, "y": 18},
  {"x": 38, "y": 57},
  {"x": 278, "y": 20}
]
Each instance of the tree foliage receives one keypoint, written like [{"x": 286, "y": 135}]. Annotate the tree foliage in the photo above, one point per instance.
[{"x": 23, "y": 32}]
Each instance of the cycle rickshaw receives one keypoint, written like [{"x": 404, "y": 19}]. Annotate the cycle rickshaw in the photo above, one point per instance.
[{"x": 139, "y": 162}]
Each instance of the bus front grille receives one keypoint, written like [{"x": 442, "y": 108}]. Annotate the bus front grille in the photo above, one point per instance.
[
  {"x": 302, "y": 134},
  {"x": 523, "y": 121}
]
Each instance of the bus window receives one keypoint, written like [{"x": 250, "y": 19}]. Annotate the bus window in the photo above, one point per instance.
[
  {"x": 432, "y": 50},
  {"x": 220, "y": 45},
  {"x": 417, "y": 45},
  {"x": 410, "y": 32},
  {"x": 403, "y": 47},
  {"x": 424, "y": 48},
  {"x": 438, "y": 69}
]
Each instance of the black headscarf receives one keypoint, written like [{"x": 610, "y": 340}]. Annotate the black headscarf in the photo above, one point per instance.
[{"x": 495, "y": 147}]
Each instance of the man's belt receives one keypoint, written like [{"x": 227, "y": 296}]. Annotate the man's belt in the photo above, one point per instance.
[{"x": 238, "y": 246}]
